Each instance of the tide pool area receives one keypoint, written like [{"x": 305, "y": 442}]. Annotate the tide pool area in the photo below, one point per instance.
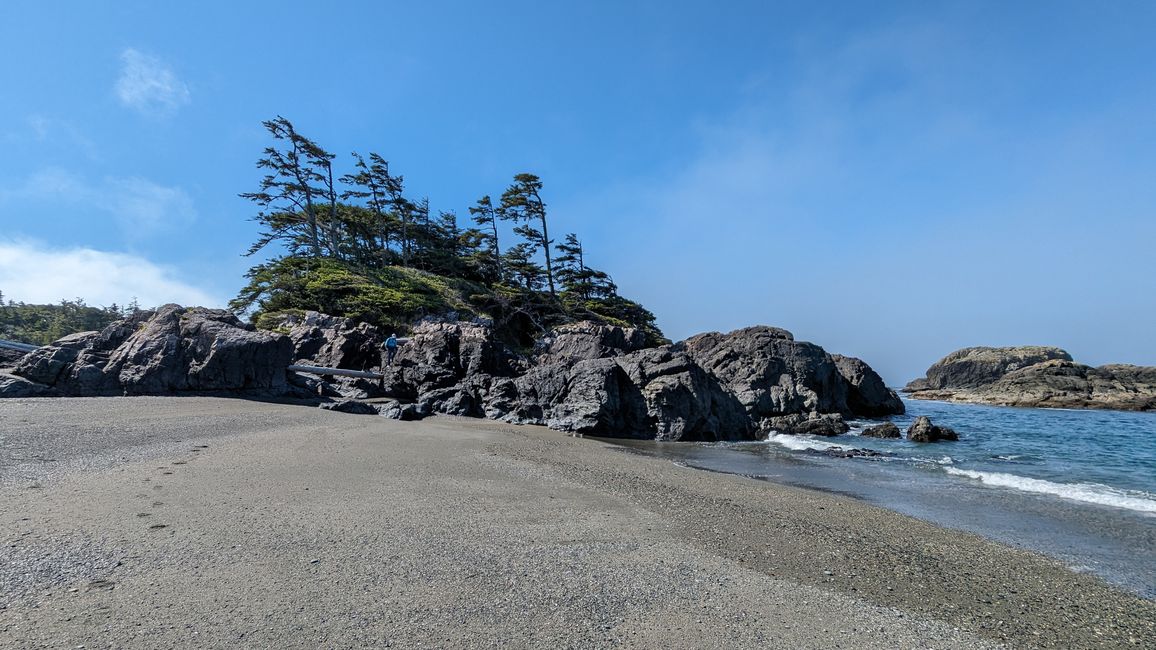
[{"x": 1079, "y": 486}]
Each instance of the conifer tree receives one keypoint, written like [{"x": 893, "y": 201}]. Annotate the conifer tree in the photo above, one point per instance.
[
  {"x": 522, "y": 204},
  {"x": 288, "y": 193},
  {"x": 485, "y": 216}
]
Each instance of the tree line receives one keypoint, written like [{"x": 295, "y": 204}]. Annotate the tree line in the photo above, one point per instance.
[
  {"x": 43, "y": 324},
  {"x": 364, "y": 220}
]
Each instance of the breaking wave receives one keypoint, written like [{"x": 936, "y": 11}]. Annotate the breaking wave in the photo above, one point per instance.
[{"x": 1086, "y": 492}]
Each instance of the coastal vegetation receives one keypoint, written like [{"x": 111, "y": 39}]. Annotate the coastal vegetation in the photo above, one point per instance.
[
  {"x": 354, "y": 244},
  {"x": 43, "y": 324}
]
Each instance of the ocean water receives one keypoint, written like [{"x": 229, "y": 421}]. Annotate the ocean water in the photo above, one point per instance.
[{"x": 1079, "y": 486}]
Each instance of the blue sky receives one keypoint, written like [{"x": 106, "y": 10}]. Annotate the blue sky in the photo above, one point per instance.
[{"x": 889, "y": 180}]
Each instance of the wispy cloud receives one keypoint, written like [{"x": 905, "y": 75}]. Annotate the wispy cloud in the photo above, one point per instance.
[
  {"x": 99, "y": 277},
  {"x": 139, "y": 206},
  {"x": 149, "y": 86}
]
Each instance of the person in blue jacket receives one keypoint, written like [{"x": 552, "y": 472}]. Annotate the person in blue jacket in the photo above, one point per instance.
[{"x": 390, "y": 346}]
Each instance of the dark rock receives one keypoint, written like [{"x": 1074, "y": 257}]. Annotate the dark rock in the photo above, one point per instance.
[
  {"x": 868, "y": 395},
  {"x": 10, "y": 357},
  {"x": 350, "y": 406},
  {"x": 770, "y": 373},
  {"x": 853, "y": 453},
  {"x": 586, "y": 340},
  {"x": 174, "y": 349},
  {"x": 332, "y": 341},
  {"x": 408, "y": 412},
  {"x": 440, "y": 355},
  {"x": 13, "y": 386},
  {"x": 46, "y": 364},
  {"x": 922, "y": 430},
  {"x": 885, "y": 430},
  {"x": 681, "y": 400},
  {"x": 818, "y": 424}
]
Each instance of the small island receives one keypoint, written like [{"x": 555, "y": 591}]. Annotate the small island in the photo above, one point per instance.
[{"x": 1035, "y": 376}]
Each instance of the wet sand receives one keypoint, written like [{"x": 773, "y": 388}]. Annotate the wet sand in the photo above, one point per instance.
[{"x": 204, "y": 522}]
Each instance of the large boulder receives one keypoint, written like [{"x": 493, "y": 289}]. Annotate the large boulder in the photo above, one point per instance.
[
  {"x": 922, "y": 430},
  {"x": 770, "y": 373},
  {"x": 885, "y": 430},
  {"x": 867, "y": 394},
  {"x": 171, "y": 350}
]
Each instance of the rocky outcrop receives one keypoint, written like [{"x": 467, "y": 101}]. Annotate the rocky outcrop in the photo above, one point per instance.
[
  {"x": 583, "y": 377},
  {"x": 173, "y": 349},
  {"x": 922, "y": 430},
  {"x": 867, "y": 395},
  {"x": 10, "y": 357},
  {"x": 595, "y": 379},
  {"x": 1036, "y": 377},
  {"x": 885, "y": 430},
  {"x": 13, "y": 386},
  {"x": 587, "y": 340}
]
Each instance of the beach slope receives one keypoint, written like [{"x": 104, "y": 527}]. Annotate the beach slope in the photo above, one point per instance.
[{"x": 202, "y": 522}]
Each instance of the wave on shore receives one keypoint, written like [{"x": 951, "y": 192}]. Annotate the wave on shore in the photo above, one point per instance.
[{"x": 1086, "y": 492}]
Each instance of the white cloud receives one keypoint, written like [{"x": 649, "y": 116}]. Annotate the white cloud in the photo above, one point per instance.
[
  {"x": 148, "y": 85},
  {"x": 139, "y": 206},
  {"x": 34, "y": 273}
]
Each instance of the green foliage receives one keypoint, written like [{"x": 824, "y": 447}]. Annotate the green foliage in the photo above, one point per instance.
[
  {"x": 390, "y": 296},
  {"x": 43, "y": 324},
  {"x": 369, "y": 253}
]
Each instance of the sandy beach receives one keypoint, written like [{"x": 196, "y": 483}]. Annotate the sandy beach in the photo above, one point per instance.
[{"x": 208, "y": 522}]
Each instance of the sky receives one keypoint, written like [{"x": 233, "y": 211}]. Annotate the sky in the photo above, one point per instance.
[{"x": 892, "y": 181}]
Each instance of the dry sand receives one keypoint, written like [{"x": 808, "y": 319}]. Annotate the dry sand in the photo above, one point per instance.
[{"x": 203, "y": 522}]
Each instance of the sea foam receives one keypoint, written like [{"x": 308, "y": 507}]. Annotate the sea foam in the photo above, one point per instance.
[{"x": 1086, "y": 492}]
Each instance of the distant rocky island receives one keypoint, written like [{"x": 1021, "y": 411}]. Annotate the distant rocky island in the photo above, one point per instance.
[{"x": 1035, "y": 376}]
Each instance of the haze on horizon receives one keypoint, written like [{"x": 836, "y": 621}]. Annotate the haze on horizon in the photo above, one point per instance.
[{"x": 891, "y": 182}]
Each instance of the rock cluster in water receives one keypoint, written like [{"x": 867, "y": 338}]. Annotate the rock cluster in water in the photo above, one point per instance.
[
  {"x": 582, "y": 377},
  {"x": 1035, "y": 376}
]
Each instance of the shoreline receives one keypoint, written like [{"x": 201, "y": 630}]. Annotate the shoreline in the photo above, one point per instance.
[{"x": 350, "y": 530}]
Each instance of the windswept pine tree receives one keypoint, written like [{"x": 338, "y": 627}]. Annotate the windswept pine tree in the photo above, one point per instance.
[
  {"x": 522, "y": 203},
  {"x": 487, "y": 218},
  {"x": 354, "y": 245}
]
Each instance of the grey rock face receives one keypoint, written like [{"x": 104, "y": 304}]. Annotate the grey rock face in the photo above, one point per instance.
[
  {"x": 332, "y": 342},
  {"x": 587, "y": 340},
  {"x": 922, "y": 430},
  {"x": 172, "y": 350},
  {"x": 440, "y": 355},
  {"x": 867, "y": 395},
  {"x": 770, "y": 373},
  {"x": 885, "y": 430}
]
